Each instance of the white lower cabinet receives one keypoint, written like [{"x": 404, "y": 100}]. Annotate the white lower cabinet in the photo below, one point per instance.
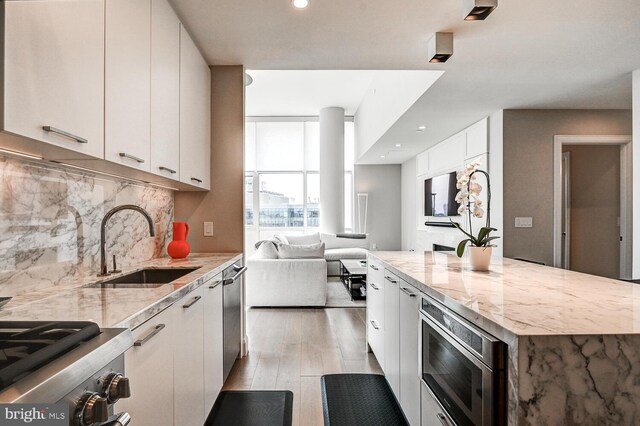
[
  {"x": 213, "y": 349},
  {"x": 391, "y": 366},
  {"x": 375, "y": 309},
  {"x": 149, "y": 367},
  {"x": 409, "y": 353},
  {"x": 432, "y": 413},
  {"x": 188, "y": 360}
]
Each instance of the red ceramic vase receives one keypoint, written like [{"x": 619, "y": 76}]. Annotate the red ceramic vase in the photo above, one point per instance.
[{"x": 179, "y": 248}]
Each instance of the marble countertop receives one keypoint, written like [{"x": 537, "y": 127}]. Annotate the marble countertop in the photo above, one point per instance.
[
  {"x": 116, "y": 307},
  {"x": 522, "y": 299}
]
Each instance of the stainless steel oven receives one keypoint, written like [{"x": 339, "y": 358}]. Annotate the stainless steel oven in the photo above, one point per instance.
[{"x": 463, "y": 366}]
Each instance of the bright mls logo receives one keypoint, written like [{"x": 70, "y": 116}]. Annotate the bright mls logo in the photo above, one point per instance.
[{"x": 34, "y": 414}]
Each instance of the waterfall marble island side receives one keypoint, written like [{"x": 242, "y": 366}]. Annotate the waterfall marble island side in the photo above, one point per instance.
[{"x": 573, "y": 339}]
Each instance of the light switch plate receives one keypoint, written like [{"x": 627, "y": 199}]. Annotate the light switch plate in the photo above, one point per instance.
[
  {"x": 208, "y": 229},
  {"x": 524, "y": 222}
]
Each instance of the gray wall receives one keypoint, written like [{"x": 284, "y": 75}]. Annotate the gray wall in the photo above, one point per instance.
[
  {"x": 382, "y": 183},
  {"x": 408, "y": 193},
  {"x": 528, "y": 170}
]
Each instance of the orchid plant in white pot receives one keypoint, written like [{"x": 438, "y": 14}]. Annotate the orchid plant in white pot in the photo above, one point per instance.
[{"x": 469, "y": 199}]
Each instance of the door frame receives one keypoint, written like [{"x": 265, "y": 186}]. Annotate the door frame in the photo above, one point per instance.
[{"x": 624, "y": 141}]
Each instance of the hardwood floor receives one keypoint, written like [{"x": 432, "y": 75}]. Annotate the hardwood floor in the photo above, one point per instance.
[{"x": 291, "y": 348}]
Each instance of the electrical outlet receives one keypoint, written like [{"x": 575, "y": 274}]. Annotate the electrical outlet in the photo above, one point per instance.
[
  {"x": 208, "y": 229},
  {"x": 524, "y": 222}
]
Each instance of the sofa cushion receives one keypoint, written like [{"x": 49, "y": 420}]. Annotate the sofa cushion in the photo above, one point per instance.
[
  {"x": 299, "y": 240},
  {"x": 310, "y": 251},
  {"x": 334, "y": 242},
  {"x": 266, "y": 250},
  {"x": 345, "y": 253}
]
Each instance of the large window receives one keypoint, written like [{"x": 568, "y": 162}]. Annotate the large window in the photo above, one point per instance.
[{"x": 282, "y": 181}]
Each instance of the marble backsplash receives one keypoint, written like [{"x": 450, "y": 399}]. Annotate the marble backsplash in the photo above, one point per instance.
[{"x": 50, "y": 224}]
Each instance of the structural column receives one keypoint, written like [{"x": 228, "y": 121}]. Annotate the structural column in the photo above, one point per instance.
[{"x": 332, "y": 170}]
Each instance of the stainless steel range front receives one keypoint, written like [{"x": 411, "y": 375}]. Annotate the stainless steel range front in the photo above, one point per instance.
[
  {"x": 72, "y": 363},
  {"x": 463, "y": 367}
]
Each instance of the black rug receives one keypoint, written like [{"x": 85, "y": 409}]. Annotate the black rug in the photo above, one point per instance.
[{"x": 252, "y": 408}]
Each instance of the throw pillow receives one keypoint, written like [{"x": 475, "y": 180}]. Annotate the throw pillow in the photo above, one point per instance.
[
  {"x": 266, "y": 250},
  {"x": 311, "y": 251}
]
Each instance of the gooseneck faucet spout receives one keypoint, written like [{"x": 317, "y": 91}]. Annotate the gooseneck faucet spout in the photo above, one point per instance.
[{"x": 103, "y": 232}]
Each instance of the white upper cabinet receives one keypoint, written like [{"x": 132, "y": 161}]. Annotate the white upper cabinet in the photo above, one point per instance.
[
  {"x": 54, "y": 72},
  {"x": 128, "y": 82},
  {"x": 195, "y": 114},
  {"x": 165, "y": 90}
]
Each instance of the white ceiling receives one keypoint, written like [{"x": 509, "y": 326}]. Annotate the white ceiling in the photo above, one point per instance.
[
  {"x": 305, "y": 93},
  {"x": 527, "y": 54}
]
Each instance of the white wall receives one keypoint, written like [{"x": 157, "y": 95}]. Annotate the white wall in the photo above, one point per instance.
[
  {"x": 384, "y": 218},
  {"x": 636, "y": 176},
  {"x": 408, "y": 194},
  {"x": 391, "y": 94}
]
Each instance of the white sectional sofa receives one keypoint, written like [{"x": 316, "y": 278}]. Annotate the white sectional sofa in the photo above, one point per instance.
[{"x": 274, "y": 281}]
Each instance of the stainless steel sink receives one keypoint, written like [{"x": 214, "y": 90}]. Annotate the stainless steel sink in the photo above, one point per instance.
[{"x": 145, "y": 278}]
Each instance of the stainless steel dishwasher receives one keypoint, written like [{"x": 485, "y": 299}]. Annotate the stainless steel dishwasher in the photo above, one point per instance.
[{"x": 232, "y": 289}]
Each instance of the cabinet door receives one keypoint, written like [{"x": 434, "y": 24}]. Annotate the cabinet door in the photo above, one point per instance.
[
  {"x": 392, "y": 332},
  {"x": 375, "y": 309},
  {"x": 213, "y": 338},
  {"x": 188, "y": 362},
  {"x": 128, "y": 82},
  {"x": 149, "y": 366},
  {"x": 54, "y": 72},
  {"x": 165, "y": 90},
  {"x": 195, "y": 114},
  {"x": 409, "y": 374}
]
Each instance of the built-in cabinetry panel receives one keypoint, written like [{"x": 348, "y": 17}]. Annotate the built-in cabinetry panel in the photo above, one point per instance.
[
  {"x": 375, "y": 309},
  {"x": 195, "y": 118},
  {"x": 213, "y": 348},
  {"x": 392, "y": 331},
  {"x": 409, "y": 374},
  {"x": 128, "y": 83},
  {"x": 54, "y": 73},
  {"x": 477, "y": 140},
  {"x": 165, "y": 90},
  {"x": 149, "y": 366}
]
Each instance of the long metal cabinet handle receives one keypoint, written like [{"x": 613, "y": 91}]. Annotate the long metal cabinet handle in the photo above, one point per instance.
[
  {"x": 373, "y": 286},
  {"x": 131, "y": 157},
  {"x": 390, "y": 279},
  {"x": 374, "y": 325},
  {"x": 215, "y": 284},
  {"x": 374, "y": 267},
  {"x": 51, "y": 129},
  {"x": 406, "y": 290},
  {"x": 196, "y": 180},
  {"x": 166, "y": 169},
  {"x": 157, "y": 329},
  {"x": 193, "y": 302}
]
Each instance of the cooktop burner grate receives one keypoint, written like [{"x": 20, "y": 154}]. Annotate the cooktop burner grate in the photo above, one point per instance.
[{"x": 28, "y": 345}]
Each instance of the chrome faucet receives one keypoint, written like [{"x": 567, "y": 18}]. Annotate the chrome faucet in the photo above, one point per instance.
[{"x": 103, "y": 232}]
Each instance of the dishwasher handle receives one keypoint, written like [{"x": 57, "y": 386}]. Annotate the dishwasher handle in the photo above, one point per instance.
[{"x": 233, "y": 279}]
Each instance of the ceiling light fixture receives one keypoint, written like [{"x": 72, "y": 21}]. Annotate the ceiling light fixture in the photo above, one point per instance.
[
  {"x": 421, "y": 128},
  {"x": 440, "y": 47},
  {"x": 398, "y": 145},
  {"x": 382, "y": 156},
  {"x": 300, "y": 4},
  {"x": 478, "y": 10},
  {"x": 21, "y": 154}
]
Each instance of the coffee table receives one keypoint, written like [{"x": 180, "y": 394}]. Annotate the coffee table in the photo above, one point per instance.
[{"x": 353, "y": 274}]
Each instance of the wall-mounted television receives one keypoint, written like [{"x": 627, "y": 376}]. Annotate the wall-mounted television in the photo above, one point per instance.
[{"x": 440, "y": 196}]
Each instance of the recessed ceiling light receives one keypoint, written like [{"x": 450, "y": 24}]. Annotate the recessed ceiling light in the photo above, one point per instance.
[
  {"x": 398, "y": 145},
  {"x": 421, "y": 128},
  {"x": 300, "y": 4},
  {"x": 382, "y": 156}
]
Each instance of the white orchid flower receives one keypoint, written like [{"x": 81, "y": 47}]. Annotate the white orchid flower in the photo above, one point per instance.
[
  {"x": 461, "y": 209},
  {"x": 478, "y": 212},
  {"x": 475, "y": 188}
]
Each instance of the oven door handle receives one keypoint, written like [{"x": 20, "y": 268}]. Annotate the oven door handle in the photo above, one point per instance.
[{"x": 443, "y": 419}]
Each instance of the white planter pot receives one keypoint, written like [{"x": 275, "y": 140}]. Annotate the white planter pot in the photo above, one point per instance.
[{"x": 480, "y": 257}]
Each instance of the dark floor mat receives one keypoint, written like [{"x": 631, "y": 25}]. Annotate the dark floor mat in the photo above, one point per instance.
[
  {"x": 252, "y": 408},
  {"x": 360, "y": 400}
]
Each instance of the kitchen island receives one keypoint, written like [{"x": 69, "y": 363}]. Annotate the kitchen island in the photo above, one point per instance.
[{"x": 573, "y": 339}]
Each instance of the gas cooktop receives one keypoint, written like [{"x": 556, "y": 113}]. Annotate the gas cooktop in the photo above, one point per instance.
[{"x": 26, "y": 346}]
